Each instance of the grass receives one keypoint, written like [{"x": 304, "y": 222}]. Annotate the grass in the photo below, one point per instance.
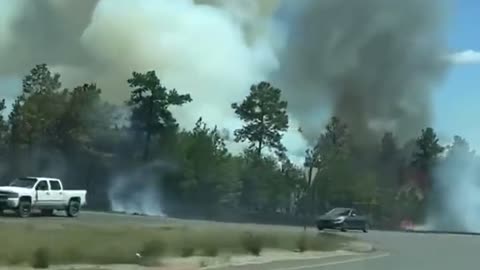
[
  {"x": 252, "y": 243},
  {"x": 27, "y": 243}
]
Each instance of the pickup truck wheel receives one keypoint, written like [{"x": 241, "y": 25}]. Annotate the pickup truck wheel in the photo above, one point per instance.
[
  {"x": 73, "y": 208},
  {"x": 24, "y": 209}
]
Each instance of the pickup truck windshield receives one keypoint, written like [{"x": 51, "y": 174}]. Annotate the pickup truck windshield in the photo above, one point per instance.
[{"x": 23, "y": 182}]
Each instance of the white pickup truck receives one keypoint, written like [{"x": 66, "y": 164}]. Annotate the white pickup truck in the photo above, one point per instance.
[{"x": 46, "y": 194}]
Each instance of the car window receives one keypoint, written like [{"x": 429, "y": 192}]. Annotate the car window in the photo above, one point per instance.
[
  {"x": 42, "y": 185},
  {"x": 55, "y": 185},
  {"x": 338, "y": 212}
]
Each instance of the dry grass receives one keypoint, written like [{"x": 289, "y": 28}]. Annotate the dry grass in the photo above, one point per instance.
[{"x": 70, "y": 243}]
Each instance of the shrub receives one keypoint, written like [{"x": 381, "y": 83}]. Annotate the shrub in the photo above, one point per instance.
[
  {"x": 210, "y": 250},
  {"x": 302, "y": 243},
  {"x": 252, "y": 243},
  {"x": 153, "y": 248},
  {"x": 41, "y": 258},
  {"x": 187, "y": 251}
]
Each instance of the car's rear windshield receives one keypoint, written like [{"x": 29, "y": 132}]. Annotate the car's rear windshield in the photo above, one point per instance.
[{"x": 25, "y": 182}]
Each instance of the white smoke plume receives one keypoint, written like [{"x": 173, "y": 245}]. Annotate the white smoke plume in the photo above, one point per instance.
[
  {"x": 373, "y": 63},
  {"x": 455, "y": 204},
  {"x": 212, "y": 49},
  {"x": 137, "y": 191}
]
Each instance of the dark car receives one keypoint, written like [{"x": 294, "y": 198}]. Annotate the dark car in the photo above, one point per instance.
[{"x": 342, "y": 219}]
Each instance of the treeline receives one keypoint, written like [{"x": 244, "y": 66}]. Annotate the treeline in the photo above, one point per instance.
[{"x": 73, "y": 134}]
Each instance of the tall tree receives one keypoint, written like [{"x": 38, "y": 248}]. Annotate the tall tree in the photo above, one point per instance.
[
  {"x": 331, "y": 155},
  {"x": 428, "y": 149},
  {"x": 36, "y": 111},
  {"x": 425, "y": 157},
  {"x": 3, "y": 123},
  {"x": 333, "y": 144},
  {"x": 389, "y": 162},
  {"x": 211, "y": 178},
  {"x": 82, "y": 115},
  {"x": 150, "y": 102},
  {"x": 41, "y": 81},
  {"x": 388, "y": 148},
  {"x": 265, "y": 117}
]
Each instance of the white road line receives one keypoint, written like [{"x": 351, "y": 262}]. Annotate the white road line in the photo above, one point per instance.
[{"x": 337, "y": 262}]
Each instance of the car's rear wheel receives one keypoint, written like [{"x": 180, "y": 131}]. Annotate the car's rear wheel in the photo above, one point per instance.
[
  {"x": 320, "y": 228},
  {"x": 73, "y": 208},
  {"x": 24, "y": 208},
  {"x": 343, "y": 227}
]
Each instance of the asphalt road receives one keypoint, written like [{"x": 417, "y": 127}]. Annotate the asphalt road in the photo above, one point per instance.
[{"x": 395, "y": 250}]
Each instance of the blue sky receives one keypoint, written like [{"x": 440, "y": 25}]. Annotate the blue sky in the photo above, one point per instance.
[{"x": 457, "y": 100}]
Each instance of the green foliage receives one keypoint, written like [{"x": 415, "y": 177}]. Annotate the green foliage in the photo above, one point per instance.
[
  {"x": 150, "y": 102},
  {"x": 95, "y": 141},
  {"x": 265, "y": 117},
  {"x": 82, "y": 116},
  {"x": 428, "y": 149},
  {"x": 41, "y": 81},
  {"x": 252, "y": 243},
  {"x": 388, "y": 148},
  {"x": 210, "y": 250},
  {"x": 153, "y": 248},
  {"x": 3, "y": 123},
  {"x": 302, "y": 243},
  {"x": 41, "y": 258},
  {"x": 211, "y": 175},
  {"x": 331, "y": 155},
  {"x": 333, "y": 145},
  {"x": 187, "y": 251},
  {"x": 31, "y": 120}
]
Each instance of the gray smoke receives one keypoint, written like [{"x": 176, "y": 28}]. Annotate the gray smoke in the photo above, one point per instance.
[
  {"x": 373, "y": 63},
  {"x": 137, "y": 190},
  {"x": 455, "y": 204},
  {"x": 208, "y": 48}
]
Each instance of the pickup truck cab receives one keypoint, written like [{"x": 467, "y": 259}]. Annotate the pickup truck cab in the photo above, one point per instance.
[{"x": 46, "y": 194}]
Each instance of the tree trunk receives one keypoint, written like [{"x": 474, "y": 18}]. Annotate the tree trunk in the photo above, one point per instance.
[
  {"x": 148, "y": 136},
  {"x": 146, "y": 149}
]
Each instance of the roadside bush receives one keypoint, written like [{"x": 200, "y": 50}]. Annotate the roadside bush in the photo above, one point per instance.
[
  {"x": 253, "y": 244},
  {"x": 302, "y": 243},
  {"x": 153, "y": 248},
  {"x": 15, "y": 259},
  {"x": 151, "y": 251},
  {"x": 187, "y": 251},
  {"x": 41, "y": 258},
  {"x": 210, "y": 250}
]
